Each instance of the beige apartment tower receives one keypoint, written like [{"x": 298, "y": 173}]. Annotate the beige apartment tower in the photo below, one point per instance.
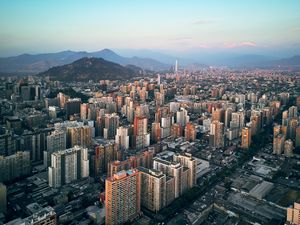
[{"x": 122, "y": 197}]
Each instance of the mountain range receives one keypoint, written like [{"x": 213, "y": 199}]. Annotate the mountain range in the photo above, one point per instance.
[
  {"x": 144, "y": 59},
  {"x": 96, "y": 69},
  {"x": 29, "y": 63}
]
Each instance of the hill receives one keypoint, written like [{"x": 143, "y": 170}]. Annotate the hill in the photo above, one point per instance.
[{"x": 86, "y": 69}]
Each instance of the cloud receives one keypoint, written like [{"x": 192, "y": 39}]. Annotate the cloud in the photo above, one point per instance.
[
  {"x": 240, "y": 44},
  {"x": 248, "y": 44},
  {"x": 200, "y": 22}
]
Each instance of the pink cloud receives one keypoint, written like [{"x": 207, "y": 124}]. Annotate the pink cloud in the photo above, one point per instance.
[
  {"x": 240, "y": 44},
  {"x": 248, "y": 43}
]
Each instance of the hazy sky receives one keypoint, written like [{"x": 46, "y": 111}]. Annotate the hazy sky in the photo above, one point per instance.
[{"x": 35, "y": 26}]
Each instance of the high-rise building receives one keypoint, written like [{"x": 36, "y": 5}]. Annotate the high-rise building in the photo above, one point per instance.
[
  {"x": 143, "y": 159},
  {"x": 158, "y": 79},
  {"x": 122, "y": 137},
  {"x": 278, "y": 144},
  {"x": 293, "y": 214},
  {"x": 166, "y": 122},
  {"x": 237, "y": 120},
  {"x": 140, "y": 130},
  {"x": 53, "y": 111},
  {"x": 173, "y": 169},
  {"x": 79, "y": 134},
  {"x": 56, "y": 141},
  {"x": 228, "y": 116},
  {"x": 15, "y": 166},
  {"x": 122, "y": 197},
  {"x": 217, "y": 134},
  {"x": 182, "y": 117},
  {"x": 159, "y": 98},
  {"x": 105, "y": 152},
  {"x": 84, "y": 109},
  {"x": 292, "y": 126},
  {"x": 218, "y": 114},
  {"x": 288, "y": 148},
  {"x": 7, "y": 142},
  {"x": 142, "y": 110},
  {"x": 187, "y": 160},
  {"x": 35, "y": 142},
  {"x": 72, "y": 106},
  {"x": 297, "y": 141},
  {"x": 293, "y": 111},
  {"x": 68, "y": 165},
  {"x": 156, "y": 132},
  {"x": 111, "y": 123},
  {"x": 256, "y": 120},
  {"x": 174, "y": 106},
  {"x": 207, "y": 124},
  {"x": 246, "y": 138},
  {"x": 267, "y": 115},
  {"x": 276, "y": 130},
  {"x": 30, "y": 92},
  {"x": 176, "y": 130},
  {"x": 190, "y": 132},
  {"x": 3, "y": 202},
  {"x": 153, "y": 189},
  {"x": 62, "y": 99}
]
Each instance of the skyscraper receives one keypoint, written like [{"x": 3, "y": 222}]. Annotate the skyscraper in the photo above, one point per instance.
[
  {"x": 288, "y": 148},
  {"x": 173, "y": 169},
  {"x": 7, "y": 142},
  {"x": 156, "y": 132},
  {"x": 3, "y": 202},
  {"x": 111, "y": 123},
  {"x": 246, "y": 138},
  {"x": 84, "y": 108},
  {"x": 143, "y": 159},
  {"x": 182, "y": 117},
  {"x": 190, "y": 132},
  {"x": 68, "y": 165},
  {"x": 217, "y": 134},
  {"x": 187, "y": 160},
  {"x": 297, "y": 141},
  {"x": 15, "y": 166},
  {"x": 153, "y": 189},
  {"x": 72, "y": 106},
  {"x": 122, "y": 137},
  {"x": 122, "y": 197},
  {"x": 158, "y": 79},
  {"x": 278, "y": 144},
  {"x": 79, "y": 134},
  {"x": 55, "y": 141},
  {"x": 140, "y": 130}
]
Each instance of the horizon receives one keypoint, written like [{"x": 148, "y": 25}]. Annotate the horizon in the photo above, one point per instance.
[{"x": 197, "y": 27}]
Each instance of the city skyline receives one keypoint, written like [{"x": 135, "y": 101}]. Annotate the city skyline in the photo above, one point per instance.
[
  {"x": 168, "y": 27},
  {"x": 149, "y": 112}
]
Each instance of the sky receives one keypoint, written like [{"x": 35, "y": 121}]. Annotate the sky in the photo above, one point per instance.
[{"x": 39, "y": 26}]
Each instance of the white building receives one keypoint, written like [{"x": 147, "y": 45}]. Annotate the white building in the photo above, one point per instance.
[{"x": 68, "y": 165}]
